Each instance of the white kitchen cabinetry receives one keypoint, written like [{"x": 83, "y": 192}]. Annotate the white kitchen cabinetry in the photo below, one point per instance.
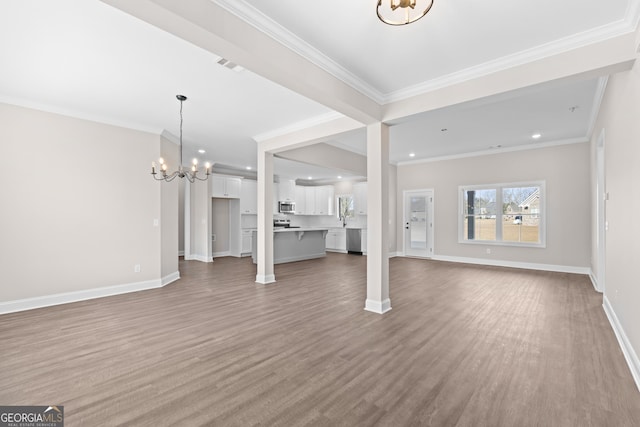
[
  {"x": 360, "y": 198},
  {"x": 287, "y": 191},
  {"x": 249, "y": 197},
  {"x": 324, "y": 200},
  {"x": 336, "y": 240},
  {"x": 246, "y": 242},
  {"x": 226, "y": 187},
  {"x": 310, "y": 200},
  {"x": 300, "y": 199}
]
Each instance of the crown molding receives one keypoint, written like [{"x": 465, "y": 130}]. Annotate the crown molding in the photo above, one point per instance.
[
  {"x": 298, "y": 126},
  {"x": 268, "y": 26},
  {"x": 263, "y": 23},
  {"x": 497, "y": 151}
]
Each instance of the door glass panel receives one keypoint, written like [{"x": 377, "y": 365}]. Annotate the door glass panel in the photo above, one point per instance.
[{"x": 418, "y": 220}]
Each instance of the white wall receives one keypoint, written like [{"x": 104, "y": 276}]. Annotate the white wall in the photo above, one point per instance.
[
  {"x": 620, "y": 118},
  {"x": 566, "y": 171},
  {"x": 78, "y": 205}
]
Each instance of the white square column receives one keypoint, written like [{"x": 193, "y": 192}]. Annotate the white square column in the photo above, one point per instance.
[
  {"x": 378, "y": 219},
  {"x": 264, "y": 250}
]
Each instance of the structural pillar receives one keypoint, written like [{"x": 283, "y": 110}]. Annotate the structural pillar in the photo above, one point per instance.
[
  {"x": 378, "y": 219},
  {"x": 264, "y": 250}
]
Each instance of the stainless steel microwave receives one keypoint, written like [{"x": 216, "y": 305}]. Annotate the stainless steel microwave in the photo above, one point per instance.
[{"x": 286, "y": 207}]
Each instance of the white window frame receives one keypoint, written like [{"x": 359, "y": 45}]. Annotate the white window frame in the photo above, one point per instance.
[{"x": 499, "y": 221}]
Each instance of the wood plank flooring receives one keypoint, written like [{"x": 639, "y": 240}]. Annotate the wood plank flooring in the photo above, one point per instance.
[{"x": 463, "y": 346}]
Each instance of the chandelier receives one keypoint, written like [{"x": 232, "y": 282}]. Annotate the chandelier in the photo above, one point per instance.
[
  {"x": 402, "y": 12},
  {"x": 192, "y": 174}
]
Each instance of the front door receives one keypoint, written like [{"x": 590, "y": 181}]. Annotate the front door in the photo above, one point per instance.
[{"x": 418, "y": 223}]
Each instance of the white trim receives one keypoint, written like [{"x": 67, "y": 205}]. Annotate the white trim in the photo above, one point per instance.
[
  {"x": 396, "y": 254},
  {"x": 339, "y": 251},
  {"x": 265, "y": 279},
  {"x": 221, "y": 254},
  {"x": 83, "y": 295},
  {"x": 597, "y": 102},
  {"x": 170, "y": 278},
  {"x": 268, "y": 26},
  {"x": 625, "y": 345},
  {"x": 299, "y": 126},
  {"x": 181, "y": 253},
  {"x": 526, "y": 147},
  {"x": 53, "y": 109},
  {"x": 594, "y": 281},
  {"x": 514, "y": 264},
  {"x": 430, "y": 239},
  {"x": 201, "y": 258},
  {"x": 378, "y": 307}
]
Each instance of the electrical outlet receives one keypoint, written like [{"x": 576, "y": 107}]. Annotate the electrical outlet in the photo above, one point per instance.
[
  {"x": 213, "y": 237},
  {"x": 136, "y": 268},
  {"x": 488, "y": 250}
]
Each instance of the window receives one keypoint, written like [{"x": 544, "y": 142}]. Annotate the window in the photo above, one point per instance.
[
  {"x": 506, "y": 214},
  {"x": 345, "y": 207}
]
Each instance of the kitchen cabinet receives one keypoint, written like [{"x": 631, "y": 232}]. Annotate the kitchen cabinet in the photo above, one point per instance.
[
  {"x": 310, "y": 200},
  {"x": 336, "y": 240},
  {"x": 287, "y": 191},
  {"x": 226, "y": 187},
  {"x": 300, "y": 198},
  {"x": 246, "y": 242},
  {"x": 249, "y": 197},
  {"x": 324, "y": 200},
  {"x": 360, "y": 198}
]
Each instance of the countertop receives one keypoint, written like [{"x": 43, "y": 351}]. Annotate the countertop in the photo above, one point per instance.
[{"x": 284, "y": 230}]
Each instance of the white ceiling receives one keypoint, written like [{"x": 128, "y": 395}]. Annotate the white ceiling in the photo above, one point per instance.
[{"x": 88, "y": 59}]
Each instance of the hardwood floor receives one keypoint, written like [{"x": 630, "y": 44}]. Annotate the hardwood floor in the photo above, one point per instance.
[{"x": 463, "y": 346}]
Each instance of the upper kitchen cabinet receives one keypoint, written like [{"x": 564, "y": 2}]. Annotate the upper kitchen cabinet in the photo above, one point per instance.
[
  {"x": 300, "y": 199},
  {"x": 360, "y": 198},
  {"x": 287, "y": 191},
  {"x": 225, "y": 186},
  {"x": 249, "y": 197},
  {"x": 324, "y": 200},
  {"x": 309, "y": 200}
]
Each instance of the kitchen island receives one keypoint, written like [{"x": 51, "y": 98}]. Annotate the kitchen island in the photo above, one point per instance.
[{"x": 294, "y": 244}]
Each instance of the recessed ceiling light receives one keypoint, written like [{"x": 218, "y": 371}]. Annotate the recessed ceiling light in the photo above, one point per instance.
[
  {"x": 412, "y": 154},
  {"x": 248, "y": 168},
  {"x": 309, "y": 177},
  {"x": 339, "y": 177},
  {"x": 201, "y": 151},
  {"x": 536, "y": 136}
]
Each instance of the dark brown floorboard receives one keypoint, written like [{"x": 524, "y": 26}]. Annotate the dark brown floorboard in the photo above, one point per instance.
[{"x": 463, "y": 346}]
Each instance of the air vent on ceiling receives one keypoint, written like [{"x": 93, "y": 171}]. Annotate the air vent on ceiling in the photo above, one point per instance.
[{"x": 230, "y": 65}]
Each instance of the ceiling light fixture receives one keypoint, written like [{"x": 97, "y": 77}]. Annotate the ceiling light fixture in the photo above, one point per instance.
[
  {"x": 201, "y": 151},
  {"x": 412, "y": 154},
  {"x": 402, "y": 12},
  {"x": 191, "y": 175},
  {"x": 536, "y": 136},
  {"x": 248, "y": 168}
]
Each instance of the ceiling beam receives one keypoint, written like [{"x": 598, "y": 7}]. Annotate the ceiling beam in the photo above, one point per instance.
[
  {"x": 595, "y": 60},
  {"x": 329, "y": 157},
  {"x": 209, "y": 26}
]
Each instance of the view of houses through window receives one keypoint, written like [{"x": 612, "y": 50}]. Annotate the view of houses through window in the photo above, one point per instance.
[{"x": 507, "y": 213}]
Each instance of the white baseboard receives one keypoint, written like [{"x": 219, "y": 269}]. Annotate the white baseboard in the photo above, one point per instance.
[
  {"x": 170, "y": 278},
  {"x": 200, "y": 258},
  {"x": 221, "y": 254},
  {"x": 627, "y": 349},
  {"x": 379, "y": 307},
  {"x": 83, "y": 295},
  {"x": 395, "y": 254},
  {"x": 514, "y": 264},
  {"x": 265, "y": 279},
  {"x": 180, "y": 253},
  {"x": 340, "y": 251},
  {"x": 594, "y": 281}
]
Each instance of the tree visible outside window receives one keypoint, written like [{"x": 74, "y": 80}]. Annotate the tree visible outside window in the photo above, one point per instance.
[{"x": 345, "y": 208}]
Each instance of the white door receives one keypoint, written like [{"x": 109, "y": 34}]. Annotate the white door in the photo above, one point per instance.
[{"x": 418, "y": 223}]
